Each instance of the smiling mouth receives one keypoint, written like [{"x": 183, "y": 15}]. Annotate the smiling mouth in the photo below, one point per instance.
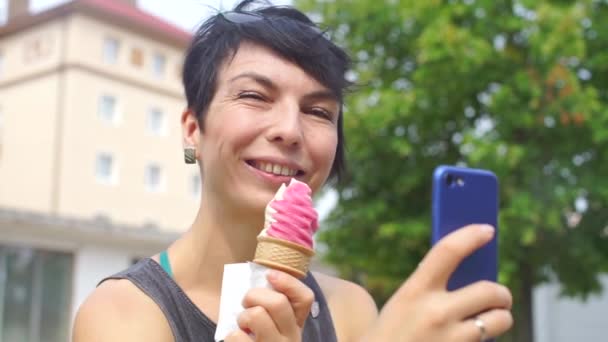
[{"x": 275, "y": 169}]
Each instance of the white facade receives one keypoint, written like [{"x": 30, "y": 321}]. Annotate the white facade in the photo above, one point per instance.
[{"x": 569, "y": 320}]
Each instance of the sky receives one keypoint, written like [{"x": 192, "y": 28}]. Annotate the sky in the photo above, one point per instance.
[{"x": 186, "y": 14}]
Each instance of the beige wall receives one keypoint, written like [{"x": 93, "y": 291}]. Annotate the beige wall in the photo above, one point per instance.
[
  {"x": 28, "y": 105},
  {"x": 85, "y": 135},
  {"x": 29, "y": 113},
  {"x": 30, "y": 52},
  {"x": 85, "y": 46},
  {"x": 40, "y": 100}
]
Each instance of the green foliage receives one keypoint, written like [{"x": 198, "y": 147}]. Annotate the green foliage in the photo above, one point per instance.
[{"x": 517, "y": 87}]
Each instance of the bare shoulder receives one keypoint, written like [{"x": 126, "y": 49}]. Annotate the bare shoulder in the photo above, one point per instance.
[
  {"x": 118, "y": 311},
  {"x": 352, "y": 308}
]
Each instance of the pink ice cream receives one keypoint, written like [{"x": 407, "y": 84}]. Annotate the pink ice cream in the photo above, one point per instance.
[{"x": 291, "y": 216}]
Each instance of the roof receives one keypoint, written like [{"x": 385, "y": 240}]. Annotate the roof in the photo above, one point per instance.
[{"x": 111, "y": 11}]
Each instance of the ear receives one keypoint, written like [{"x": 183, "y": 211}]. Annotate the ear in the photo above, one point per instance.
[{"x": 190, "y": 130}]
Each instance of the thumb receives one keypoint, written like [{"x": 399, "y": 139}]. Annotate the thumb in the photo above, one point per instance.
[{"x": 443, "y": 259}]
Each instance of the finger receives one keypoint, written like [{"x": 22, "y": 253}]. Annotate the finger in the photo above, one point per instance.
[
  {"x": 299, "y": 294},
  {"x": 276, "y": 305},
  {"x": 495, "y": 323},
  {"x": 441, "y": 261},
  {"x": 258, "y": 321},
  {"x": 479, "y": 297},
  {"x": 238, "y": 336}
]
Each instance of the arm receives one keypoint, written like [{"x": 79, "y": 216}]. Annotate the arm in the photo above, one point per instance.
[
  {"x": 117, "y": 311},
  {"x": 352, "y": 309}
]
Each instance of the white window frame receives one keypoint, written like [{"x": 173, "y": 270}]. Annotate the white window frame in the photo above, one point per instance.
[
  {"x": 116, "y": 115},
  {"x": 151, "y": 129},
  {"x": 112, "y": 178},
  {"x": 159, "y": 64},
  {"x": 160, "y": 186},
  {"x": 110, "y": 56}
]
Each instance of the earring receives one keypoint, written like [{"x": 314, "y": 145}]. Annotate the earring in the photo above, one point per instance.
[{"x": 190, "y": 155}]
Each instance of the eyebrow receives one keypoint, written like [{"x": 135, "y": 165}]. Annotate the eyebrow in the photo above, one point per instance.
[
  {"x": 322, "y": 95},
  {"x": 318, "y": 95},
  {"x": 261, "y": 79}
]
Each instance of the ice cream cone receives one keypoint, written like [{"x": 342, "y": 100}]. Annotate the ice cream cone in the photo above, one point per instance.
[{"x": 283, "y": 255}]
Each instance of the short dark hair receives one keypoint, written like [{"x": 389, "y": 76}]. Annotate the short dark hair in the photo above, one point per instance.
[{"x": 283, "y": 29}]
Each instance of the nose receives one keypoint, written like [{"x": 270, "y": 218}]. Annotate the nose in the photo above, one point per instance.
[{"x": 286, "y": 128}]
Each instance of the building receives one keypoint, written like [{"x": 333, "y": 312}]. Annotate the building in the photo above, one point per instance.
[
  {"x": 92, "y": 175},
  {"x": 559, "y": 319}
]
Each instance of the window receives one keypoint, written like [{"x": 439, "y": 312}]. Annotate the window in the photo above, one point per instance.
[
  {"x": 110, "y": 50},
  {"x": 158, "y": 65},
  {"x": 195, "y": 185},
  {"x": 105, "y": 168},
  {"x": 137, "y": 57},
  {"x": 155, "y": 122},
  {"x": 36, "y": 48},
  {"x": 35, "y": 294},
  {"x": 108, "y": 109},
  {"x": 153, "y": 178}
]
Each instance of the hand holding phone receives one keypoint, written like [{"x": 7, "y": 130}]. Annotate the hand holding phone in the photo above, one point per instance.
[{"x": 444, "y": 299}]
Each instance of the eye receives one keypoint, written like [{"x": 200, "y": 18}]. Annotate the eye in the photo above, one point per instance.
[
  {"x": 251, "y": 95},
  {"x": 321, "y": 112}
]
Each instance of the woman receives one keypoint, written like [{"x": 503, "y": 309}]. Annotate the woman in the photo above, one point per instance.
[{"x": 265, "y": 93}]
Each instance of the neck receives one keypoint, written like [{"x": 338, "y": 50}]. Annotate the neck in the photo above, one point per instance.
[{"x": 217, "y": 237}]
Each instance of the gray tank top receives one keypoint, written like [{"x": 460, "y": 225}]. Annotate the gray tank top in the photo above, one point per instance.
[{"x": 188, "y": 323}]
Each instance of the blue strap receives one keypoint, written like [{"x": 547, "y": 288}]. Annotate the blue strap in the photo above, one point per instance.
[{"x": 164, "y": 263}]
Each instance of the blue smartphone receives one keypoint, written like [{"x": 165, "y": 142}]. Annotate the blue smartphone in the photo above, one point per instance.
[{"x": 463, "y": 196}]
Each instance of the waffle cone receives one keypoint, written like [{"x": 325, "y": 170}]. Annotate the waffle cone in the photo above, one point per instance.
[{"x": 283, "y": 255}]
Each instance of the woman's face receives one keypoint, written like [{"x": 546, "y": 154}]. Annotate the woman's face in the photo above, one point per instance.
[{"x": 269, "y": 121}]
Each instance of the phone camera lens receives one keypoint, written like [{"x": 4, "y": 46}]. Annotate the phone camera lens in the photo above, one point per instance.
[{"x": 449, "y": 179}]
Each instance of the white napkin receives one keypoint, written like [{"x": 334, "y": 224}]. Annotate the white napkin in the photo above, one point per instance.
[{"x": 237, "y": 280}]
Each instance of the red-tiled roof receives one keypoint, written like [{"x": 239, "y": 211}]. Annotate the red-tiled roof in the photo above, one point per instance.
[{"x": 137, "y": 15}]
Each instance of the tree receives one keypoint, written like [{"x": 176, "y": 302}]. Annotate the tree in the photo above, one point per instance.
[{"x": 517, "y": 87}]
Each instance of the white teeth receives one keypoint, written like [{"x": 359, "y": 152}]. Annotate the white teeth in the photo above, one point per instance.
[{"x": 276, "y": 169}]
